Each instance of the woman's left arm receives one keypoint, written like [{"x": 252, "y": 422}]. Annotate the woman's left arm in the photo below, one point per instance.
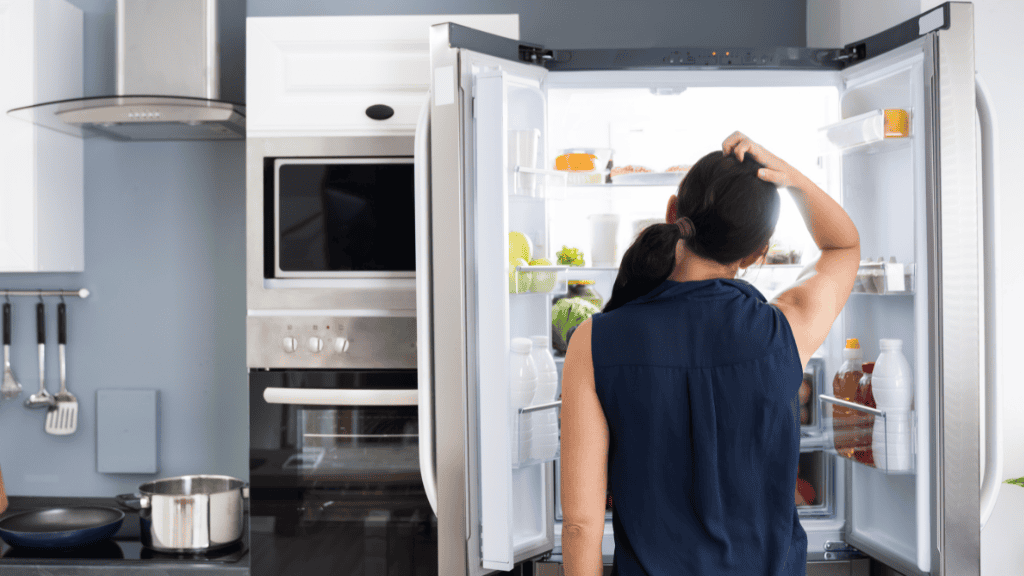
[{"x": 584, "y": 460}]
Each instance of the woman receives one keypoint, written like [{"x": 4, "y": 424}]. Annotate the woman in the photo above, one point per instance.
[{"x": 681, "y": 397}]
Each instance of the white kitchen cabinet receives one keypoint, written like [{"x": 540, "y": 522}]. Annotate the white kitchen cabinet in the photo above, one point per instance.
[
  {"x": 41, "y": 213},
  {"x": 317, "y": 76}
]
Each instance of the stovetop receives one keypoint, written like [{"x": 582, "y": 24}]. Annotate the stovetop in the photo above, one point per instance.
[
  {"x": 116, "y": 549},
  {"x": 124, "y": 547}
]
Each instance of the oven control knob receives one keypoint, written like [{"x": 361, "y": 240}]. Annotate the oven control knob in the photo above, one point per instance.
[
  {"x": 341, "y": 345},
  {"x": 290, "y": 344},
  {"x": 315, "y": 344}
]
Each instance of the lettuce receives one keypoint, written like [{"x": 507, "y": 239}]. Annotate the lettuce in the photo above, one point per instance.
[{"x": 568, "y": 313}]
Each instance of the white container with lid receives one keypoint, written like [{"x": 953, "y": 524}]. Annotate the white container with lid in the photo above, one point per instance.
[{"x": 523, "y": 383}]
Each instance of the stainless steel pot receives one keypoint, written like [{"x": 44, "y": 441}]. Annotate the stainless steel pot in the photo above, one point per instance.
[{"x": 189, "y": 513}]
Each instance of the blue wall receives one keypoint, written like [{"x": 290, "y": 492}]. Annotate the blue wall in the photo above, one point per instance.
[
  {"x": 165, "y": 242},
  {"x": 165, "y": 262}
]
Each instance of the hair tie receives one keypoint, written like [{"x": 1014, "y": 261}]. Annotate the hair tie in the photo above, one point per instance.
[{"x": 686, "y": 228}]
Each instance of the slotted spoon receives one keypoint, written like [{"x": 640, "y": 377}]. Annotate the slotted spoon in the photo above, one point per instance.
[
  {"x": 11, "y": 387},
  {"x": 62, "y": 419}
]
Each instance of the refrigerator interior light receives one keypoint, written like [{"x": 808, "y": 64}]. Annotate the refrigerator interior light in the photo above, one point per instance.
[{"x": 867, "y": 128}]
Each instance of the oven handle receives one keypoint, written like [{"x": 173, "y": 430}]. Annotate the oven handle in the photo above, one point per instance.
[
  {"x": 424, "y": 323},
  {"x": 334, "y": 397}
]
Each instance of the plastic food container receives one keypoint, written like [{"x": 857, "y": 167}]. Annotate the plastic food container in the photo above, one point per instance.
[{"x": 585, "y": 165}]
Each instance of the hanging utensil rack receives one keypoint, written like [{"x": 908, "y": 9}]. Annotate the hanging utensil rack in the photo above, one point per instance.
[{"x": 82, "y": 293}]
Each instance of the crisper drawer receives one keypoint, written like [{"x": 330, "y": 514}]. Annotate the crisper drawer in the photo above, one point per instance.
[{"x": 815, "y": 486}]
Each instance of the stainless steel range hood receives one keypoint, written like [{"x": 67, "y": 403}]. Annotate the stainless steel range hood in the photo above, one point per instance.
[{"x": 168, "y": 80}]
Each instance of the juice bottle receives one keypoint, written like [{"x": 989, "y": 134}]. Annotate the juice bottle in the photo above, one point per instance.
[
  {"x": 862, "y": 452},
  {"x": 844, "y": 387}
]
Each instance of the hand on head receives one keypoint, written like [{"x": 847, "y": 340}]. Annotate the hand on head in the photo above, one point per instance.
[{"x": 775, "y": 170}]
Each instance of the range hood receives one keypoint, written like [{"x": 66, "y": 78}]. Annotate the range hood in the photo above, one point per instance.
[{"x": 168, "y": 80}]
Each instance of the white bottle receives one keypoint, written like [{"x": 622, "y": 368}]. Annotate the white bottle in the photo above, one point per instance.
[
  {"x": 892, "y": 385},
  {"x": 545, "y": 422},
  {"x": 524, "y": 385}
]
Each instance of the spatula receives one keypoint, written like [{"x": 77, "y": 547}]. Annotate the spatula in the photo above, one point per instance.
[{"x": 62, "y": 419}]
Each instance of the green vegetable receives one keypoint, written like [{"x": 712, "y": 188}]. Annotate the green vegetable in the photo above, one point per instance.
[
  {"x": 1017, "y": 481},
  {"x": 568, "y": 313},
  {"x": 570, "y": 256}
]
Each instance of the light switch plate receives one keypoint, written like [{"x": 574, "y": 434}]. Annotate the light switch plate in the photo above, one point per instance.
[{"x": 126, "y": 431}]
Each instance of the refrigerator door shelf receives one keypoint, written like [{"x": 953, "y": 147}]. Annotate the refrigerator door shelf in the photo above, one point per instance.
[
  {"x": 873, "y": 438},
  {"x": 885, "y": 278},
  {"x": 540, "y": 183},
  {"x": 537, "y": 434},
  {"x": 882, "y": 128}
]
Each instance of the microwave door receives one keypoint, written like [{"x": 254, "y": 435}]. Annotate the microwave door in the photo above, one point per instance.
[
  {"x": 344, "y": 218},
  {"x": 916, "y": 198}
]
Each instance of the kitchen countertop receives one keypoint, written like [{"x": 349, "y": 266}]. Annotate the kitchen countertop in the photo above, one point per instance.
[{"x": 107, "y": 567}]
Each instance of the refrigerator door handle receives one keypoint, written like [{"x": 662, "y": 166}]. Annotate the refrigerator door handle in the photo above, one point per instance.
[
  {"x": 424, "y": 324},
  {"x": 993, "y": 430}
]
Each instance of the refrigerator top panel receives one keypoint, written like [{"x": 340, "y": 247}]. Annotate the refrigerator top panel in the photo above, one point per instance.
[{"x": 688, "y": 57}]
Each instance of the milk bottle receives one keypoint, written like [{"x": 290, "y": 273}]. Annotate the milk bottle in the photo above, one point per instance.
[
  {"x": 523, "y": 382},
  {"x": 545, "y": 422}
]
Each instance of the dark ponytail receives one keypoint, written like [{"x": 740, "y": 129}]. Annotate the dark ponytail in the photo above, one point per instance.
[
  {"x": 646, "y": 264},
  {"x": 733, "y": 212},
  {"x": 725, "y": 212}
]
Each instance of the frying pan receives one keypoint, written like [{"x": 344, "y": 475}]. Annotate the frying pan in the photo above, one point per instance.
[{"x": 61, "y": 527}]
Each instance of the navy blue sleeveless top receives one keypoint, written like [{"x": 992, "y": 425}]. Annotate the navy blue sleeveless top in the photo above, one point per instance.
[{"x": 698, "y": 382}]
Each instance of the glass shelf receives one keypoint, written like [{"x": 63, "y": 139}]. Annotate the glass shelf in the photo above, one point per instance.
[
  {"x": 612, "y": 186},
  {"x": 590, "y": 272},
  {"x": 870, "y": 437},
  {"x": 534, "y": 446}
]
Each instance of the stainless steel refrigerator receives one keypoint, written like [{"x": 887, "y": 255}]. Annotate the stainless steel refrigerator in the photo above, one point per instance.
[{"x": 916, "y": 200}]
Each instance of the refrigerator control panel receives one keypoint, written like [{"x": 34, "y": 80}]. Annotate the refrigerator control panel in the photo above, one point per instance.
[{"x": 318, "y": 342}]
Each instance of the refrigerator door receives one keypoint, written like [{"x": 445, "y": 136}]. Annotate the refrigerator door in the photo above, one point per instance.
[
  {"x": 916, "y": 198},
  {"x": 491, "y": 513}
]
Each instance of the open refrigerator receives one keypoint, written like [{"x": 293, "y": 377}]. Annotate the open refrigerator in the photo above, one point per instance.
[{"x": 915, "y": 200}]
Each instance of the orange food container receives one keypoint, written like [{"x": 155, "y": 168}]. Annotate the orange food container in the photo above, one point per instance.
[
  {"x": 576, "y": 162},
  {"x": 897, "y": 123}
]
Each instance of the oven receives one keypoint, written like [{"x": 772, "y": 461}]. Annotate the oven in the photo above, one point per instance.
[{"x": 334, "y": 469}]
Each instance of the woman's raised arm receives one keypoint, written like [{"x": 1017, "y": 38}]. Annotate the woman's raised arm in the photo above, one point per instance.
[{"x": 819, "y": 294}]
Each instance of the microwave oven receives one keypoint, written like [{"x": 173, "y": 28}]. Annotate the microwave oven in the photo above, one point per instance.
[{"x": 330, "y": 226}]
